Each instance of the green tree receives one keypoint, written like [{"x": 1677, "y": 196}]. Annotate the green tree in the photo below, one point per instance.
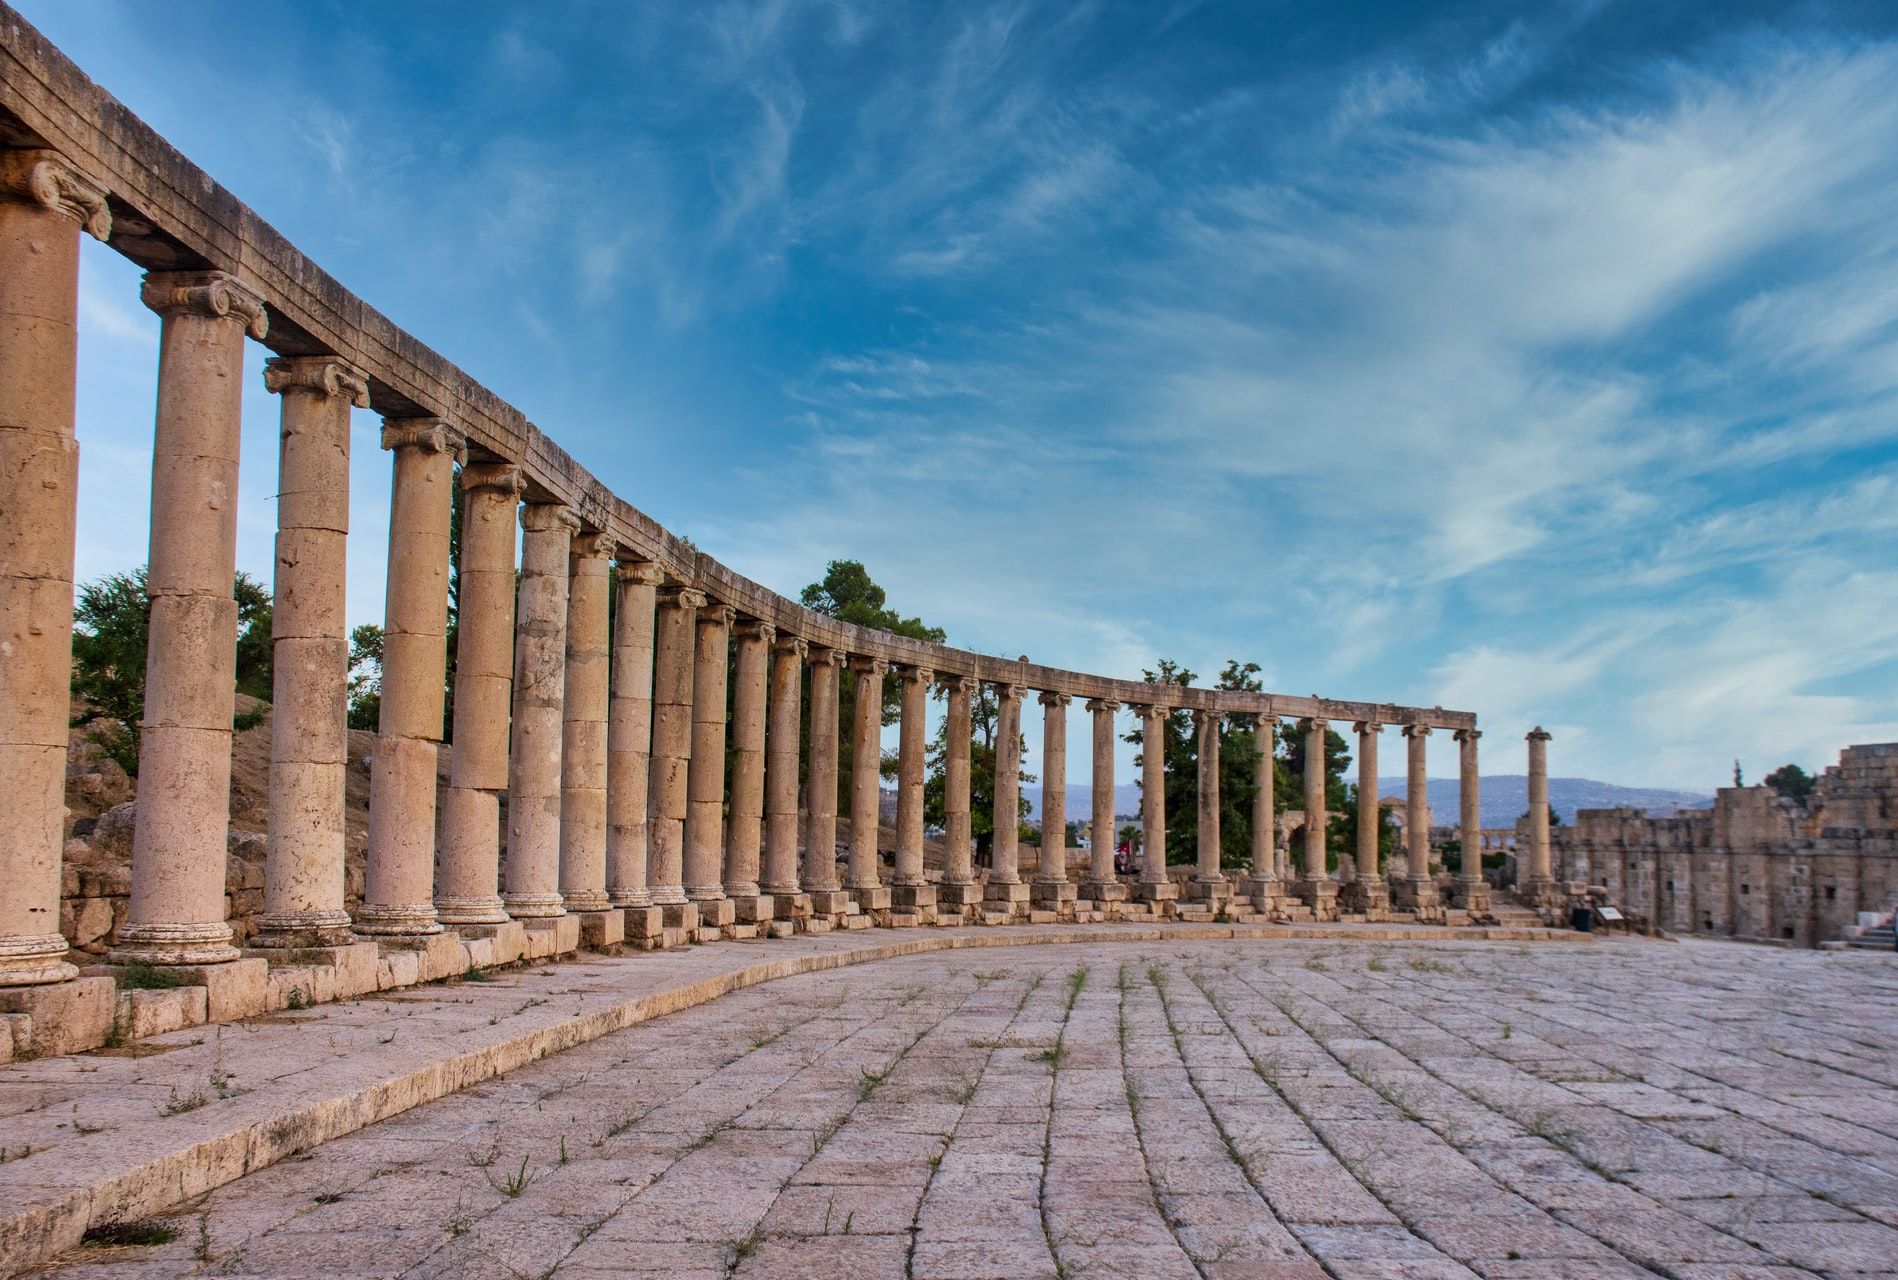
[
  {"x": 847, "y": 593},
  {"x": 1792, "y": 782},
  {"x": 365, "y": 676}
]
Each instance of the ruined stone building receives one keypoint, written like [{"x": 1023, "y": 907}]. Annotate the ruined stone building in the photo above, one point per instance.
[{"x": 1756, "y": 865}]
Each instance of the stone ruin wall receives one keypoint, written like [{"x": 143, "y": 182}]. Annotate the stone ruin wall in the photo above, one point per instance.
[{"x": 1755, "y": 866}]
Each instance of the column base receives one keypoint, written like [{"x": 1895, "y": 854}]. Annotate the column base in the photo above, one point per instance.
[
  {"x": 645, "y": 927},
  {"x": 404, "y": 920},
  {"x": 830, "y": 905},
  {"x": 912, "y": 897},
  {"x": 1414, "y": 895},
  {"x": 793, "y": 905},
  {"x": 601, "y": 929},
  {"x": 66, "y": 1016},
  {"x": 680, "y": 915},
  {"x": 550, "y": 936},
  {"x": 1155, "y": 891},
  {"x": 174, "y": 944},
  {"x": 34, "y": 961},
  {"x": 1103, "y": 891},
  {"x": 1365, "y": 896},
  {"x": 961, "y": 894},
  {"x": 1264, "y": 891},
  {"x": 1011, "y": 892},
  {"x": 752, "y": 908},
  {"x": 1321, "y": 895},
  {"x": 1053, "y": 895},
  {"x": 505, "y": 942},
  {"x": 278, "y": 930},
  {"x": 532, "y": 906},
  {"x": 1544, "y": 893},
  {"x": 716, "y": 913},
  {"x": 466, "y": 911},
  {"x": 871, "y": 897},
  {"x": 629, "y": 897},
  {"x": 585, "y": 900},
  {"x": 1470, "y": 894},
  {"x": 1203, "y": 890}
]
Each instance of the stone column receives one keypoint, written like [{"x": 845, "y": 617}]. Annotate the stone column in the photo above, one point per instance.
[
  {"x": 1052, "y": 890},
  {"x": 1103, "y": 885},
  {"x": 1470, "y": 891},
  {"x": 1005, "y": 884},
  {"x": 866, "y": 765},
  {"x": 309, "y": 745},
  {"x": 1154, "y": 885},
  {"x": 629, "y": 750},
  {"x": 744, "y": 837},
  {"x": 44, "y": 203},
  {"x": 469, "y": 870},
  {"x": 675, "y": 642},
  {"x": 911, "y": 893},
  {"x": 1315, "y": 886},
  {"x": 959, "y": 889},
  {"x": 1540, "y": 887},
  {"x": 1367, "y": 893},
  {"x": 1417, "y": 891},
  {"x": 178, "y": 848},
  {"x": 780, "y": 878},
  {"x": 583, "y": 710},
  {"x": 540, "y": 689},
  {"x": 705, "y": 777},
  {"x": 828, "y": 900},
  {"x": 1208, "y": 883},
  {"x": 1263, "y": 886}
]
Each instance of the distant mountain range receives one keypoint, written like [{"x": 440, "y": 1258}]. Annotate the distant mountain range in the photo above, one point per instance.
[{"x": 1505, "y": 797}]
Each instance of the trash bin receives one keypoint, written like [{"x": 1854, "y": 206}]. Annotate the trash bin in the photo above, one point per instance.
[{"x": 1583, "y": 919}]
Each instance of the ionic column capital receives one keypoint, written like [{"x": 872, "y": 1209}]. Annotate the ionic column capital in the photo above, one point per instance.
[
  {"x": 47, "y": 178},
  {"x": 913, "y": 674},
  {"x": 503, "y": 478},
  {"x": 1152, "y": 711},
  {"x": 1202, "y": 714},
  {"x": 714, "y": 614},
  {"x": 1416, "y": 731},
  {"x": 1468, "y": 735},
  {"x": 869, "y": 666},
  {"x": 640, "y": 573},
  {"x": 1011, "y": 692},
  {"x": 828, "y": 657},
  {"x": 1310, "y": 723},
  {"x": 964, "y": 685},
  {"x": 432, "y": 435},
  {"x": 681, "y": 597},
  {"x": 792, "y": 644},
  {"x": 1054, "y": 698},
  {"x": 1369, "y": 728},
  {"x": 217, "y": 295},
  {"x": 1538, "y": 734},
  {"x": 757, "y": 629},
  {"x": 329, "y": 376},
  {"x": 594, "y": 546},
  {"x": 1099, "y": 705}
]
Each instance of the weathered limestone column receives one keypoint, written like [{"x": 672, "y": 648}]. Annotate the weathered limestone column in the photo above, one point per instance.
[
  {"x": 1209, "y": 883},
  {"x": 1005, "y": 884},
  {"x": 745, "y": 833},
  {"x": 44, "y": 203},
  {"x": 828, "y": 900},
  {"x": 675, "y": 645},
  {"x": 1470, "y": 891},
  {"x": 1540, "y": 887},
  {"x": 629, "y": 746},
  {"x": 1154, "y": 885},
  {"x": 1263, "y": 885},
  {"x": 178, "y": 848},
  {"x": 1417, "y": 891},
  {"x": 1315, "y": 885},
  {"x": 1052, "y": 890},
  {"x": 959, "y": 889},
  {"x": 309, "y": 744},
  {"x": 1102, "y": 885},
  {"x": 866, "y": 765},
  {"x": 780, "y": 877},
  {"x": 910, "y": 892},
  {"x": 469, "y": 870},
  {"x": 1367, "y": 893},
  {"x": 540, "y": 690},
  {"x": 705, "y": 776},
  {"x": 583, "y": 744}
]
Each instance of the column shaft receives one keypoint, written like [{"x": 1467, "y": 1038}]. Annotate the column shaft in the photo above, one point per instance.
[
  {"x": 1539, "y": 870},
  {"x": 1053, "y": 866},
  {"x": 1153, "y": 721},
  {"x": 780, "y": 876},
  {"x": 1470, "y": 819},
  {"x": 1368, "y": 801},
  {"x": 866, "y": 762},
  {"x": 629, "y": 736},
  {"x": 1265, "y": 870},
  {"x": 750, "y": 699},
  {"x": 178, "y": 850},
  {"x": 1417, "y": 801},
  {"x": 1003, "y": 865},
  {"x": 675, "y": 643},
  {"x": 820, "y": 786},
  {"x": 958, "y": 735},
  {"x": 705, "y": 785},
  {"x": 1315, "y": 816},
  {"x": 1206, "y": 727},
  {"x": 583, "y": 727},
  {"x": 467, "y": 878},
  {"x": 309, "y": 746},
  {"x": 540, "y": 686},
  {"x": 43, "y": 205},
  {"x": 1100, "y": 871},
  {"x": 909, "y": 777}
]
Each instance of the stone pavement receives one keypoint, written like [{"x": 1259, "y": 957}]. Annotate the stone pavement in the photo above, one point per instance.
[{"x": 1229, "y": 1108}]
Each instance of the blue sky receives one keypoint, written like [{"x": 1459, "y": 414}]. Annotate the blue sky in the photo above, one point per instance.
[{"x": 1535, "y": 359}]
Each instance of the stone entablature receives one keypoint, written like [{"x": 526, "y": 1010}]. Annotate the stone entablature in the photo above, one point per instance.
[{"x": 1755, "y": 865}]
